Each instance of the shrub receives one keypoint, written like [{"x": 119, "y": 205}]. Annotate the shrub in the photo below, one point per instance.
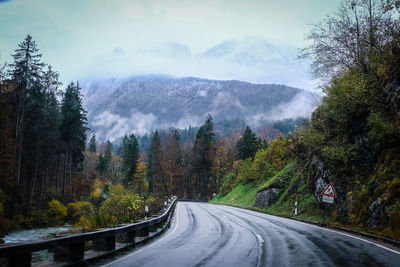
[
  {"x": 274, "y": 154},
  {"x": 154, "y": 202},
  {"x": 261, "y": 166},
  {"x": 84, "y": 224},
  {"x": 56, "y": 212},
  {"x": 381, "y": 131},
  {"x": 245, "y": 174},
  {"x": 122, "y": 204},
  {"x": 227, "y": 184},
  {"x": 78, "y": 209},
  {"x": 5, "y": 223},
  {"x": 395, "y": 217},
  {"x": 100, "y": 220}
]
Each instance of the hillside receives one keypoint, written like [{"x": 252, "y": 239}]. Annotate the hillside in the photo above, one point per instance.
[
  {"x": 143, "y": 103},
  {"x": 352, "y": 139}
]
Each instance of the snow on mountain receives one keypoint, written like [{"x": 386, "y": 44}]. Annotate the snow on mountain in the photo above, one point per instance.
[
  {"x": 249, "y": 59},
  {"x": 143, "y": 103}
]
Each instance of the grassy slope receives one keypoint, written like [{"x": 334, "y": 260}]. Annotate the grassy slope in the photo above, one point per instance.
[
  {"x": 291, "y": 184},
  {"x": 244, "y": 196}
]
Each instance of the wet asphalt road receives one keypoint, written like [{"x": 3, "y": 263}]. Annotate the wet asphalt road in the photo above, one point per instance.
[{"x": 212, "y": 235}]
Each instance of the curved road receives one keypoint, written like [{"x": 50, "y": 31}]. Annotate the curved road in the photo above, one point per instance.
[{"x": 213, "y": 235}]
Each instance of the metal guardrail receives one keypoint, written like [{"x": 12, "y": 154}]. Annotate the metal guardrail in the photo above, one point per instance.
[{"x": 71, "y": 248}]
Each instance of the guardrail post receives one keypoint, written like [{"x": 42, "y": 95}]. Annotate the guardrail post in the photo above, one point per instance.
[
  {"x": 70, "y": 252},
  {"x": 143, "y": 232},
  {"x": 153, "y": 227},
  {"x": 127, "y": 237},
  {"x": 105, "y": 244},
  {"x": 20, "y": 260}
]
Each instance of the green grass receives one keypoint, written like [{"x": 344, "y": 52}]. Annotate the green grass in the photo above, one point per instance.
[
  {"x": 244, "y": 196},
  {"x": 291, "y": 183},
  {"x": 241, "y": 196}
]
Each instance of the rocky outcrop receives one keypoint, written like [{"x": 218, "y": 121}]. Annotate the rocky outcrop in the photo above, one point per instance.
[
  {"x": 266, "y": 197},
  {"x": 375, "y": 212},
  {"x": 321, "y": 177}
]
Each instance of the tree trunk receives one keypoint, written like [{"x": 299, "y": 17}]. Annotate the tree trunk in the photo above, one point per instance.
[
  {"x": 57, "y": 170},
  {"x": 33, "y": 184},
  {"x": 42, "y": 184},
  {"x": 20, "y": 137},
  {"x": 65, "y": 176}
]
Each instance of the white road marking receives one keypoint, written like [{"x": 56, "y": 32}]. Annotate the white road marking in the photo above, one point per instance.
[
  {"x": 318, "y": 227},
  {"x": 151, "y": 245},
  {"x": 260, "y": 238},
  {"x": 355, "y": 237}
]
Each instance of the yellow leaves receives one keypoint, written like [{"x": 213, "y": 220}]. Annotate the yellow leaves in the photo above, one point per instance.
[
  {"x": 140, "y": 167},
  {"x": 97, "y": 189}
]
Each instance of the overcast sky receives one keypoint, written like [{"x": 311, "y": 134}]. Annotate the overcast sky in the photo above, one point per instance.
[{"x": 96, "y": 38}]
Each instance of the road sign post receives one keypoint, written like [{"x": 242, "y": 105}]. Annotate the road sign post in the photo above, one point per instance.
[{"x": 328, "y": 196}]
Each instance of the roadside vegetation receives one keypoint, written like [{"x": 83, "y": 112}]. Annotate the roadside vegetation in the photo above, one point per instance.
[
  {"x": 51, "y": 174},
  {"x": 353, "y": 136}
]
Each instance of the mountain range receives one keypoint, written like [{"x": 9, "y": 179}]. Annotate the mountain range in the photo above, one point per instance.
[
  {"x": 140, "y": 104},
  {"x": 247, "y": 59}
]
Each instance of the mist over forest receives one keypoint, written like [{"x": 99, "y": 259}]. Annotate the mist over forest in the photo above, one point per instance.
[{"x": 111, "y": 109}]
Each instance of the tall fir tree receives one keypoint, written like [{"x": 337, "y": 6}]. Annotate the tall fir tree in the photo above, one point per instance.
[
  {"x": 73, "y": 130},
  {"x": 26, "y": 72},
  {"x": 203, "y": 151},
  {"x": 130, "y": 156},
  {"x": 155, "y": 169},
  {"x": 248, "y": 144},
  {"x": 93, "y": 144}
]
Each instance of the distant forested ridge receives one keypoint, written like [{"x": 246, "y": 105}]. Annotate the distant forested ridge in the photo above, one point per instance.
[{"x": 145, "y": 103}]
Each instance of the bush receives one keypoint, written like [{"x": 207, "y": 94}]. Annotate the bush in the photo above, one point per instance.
[
  {"x": 122, "y": 204},
  {"x": 56, "y": 212},
  {"x": 5, "y": 223},
  {"x": 84, "y": 224},
  {"x": 245, "y": 174},
  {"x": 261, "y": 167},
  {"x": 227, "y": 184},
  {"x": 274, "y": 154},
  {"x": 78, "y": 209},
  {"x": 154, "y": 202},
  {"x": 100, "y": 220},
  {"x": 395, "y": 217},
  {"x": 381, "y": 131}
]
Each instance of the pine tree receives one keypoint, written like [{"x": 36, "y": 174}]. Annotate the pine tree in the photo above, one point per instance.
[
  {"x": 130, "y": 156},
  {"x": 93, "y": 144},
  {"x": 248, "y": 144},
  {"x": 26, "y": 72},
  {"x": 102, "y": 165},
  {"x": 155, "y": 169},
  {"x": 108, "y": 154},
  {"x": 203, "y": 151},
  {"x": 73, "y": 129}
]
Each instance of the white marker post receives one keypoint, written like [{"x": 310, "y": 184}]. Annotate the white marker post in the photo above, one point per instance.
[
  {"x": 295, "y": 206},
  {"x": 146, "y": 210}
]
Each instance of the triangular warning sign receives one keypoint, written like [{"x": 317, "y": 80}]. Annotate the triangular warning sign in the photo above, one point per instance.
[{"x": 329, "y": 191}]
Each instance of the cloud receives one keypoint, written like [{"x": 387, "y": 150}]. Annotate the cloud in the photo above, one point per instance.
[
  {"x": 112, "y": 126},
  {"x": 249, "y": 59},
  {"x": 302, "y": 105},
  {"x": 189, "y": 120}
]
